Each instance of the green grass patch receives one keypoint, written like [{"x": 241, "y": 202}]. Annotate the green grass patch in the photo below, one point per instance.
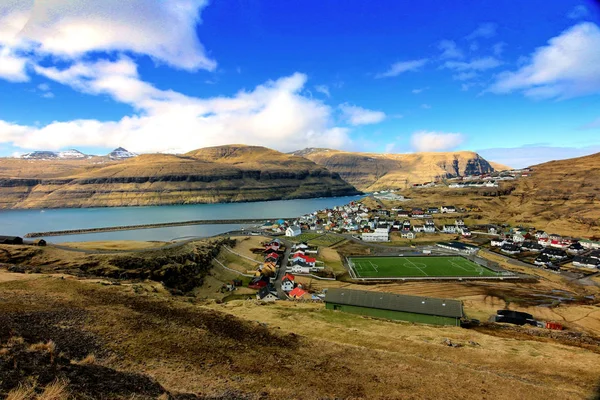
[{"x": 413, "y": 267}]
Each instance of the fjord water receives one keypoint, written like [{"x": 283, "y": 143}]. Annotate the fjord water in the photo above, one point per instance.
[{"x": 20, "y": 222}]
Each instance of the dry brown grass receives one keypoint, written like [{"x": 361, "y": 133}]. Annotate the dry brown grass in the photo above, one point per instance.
[
  {"x": 23, "y": 392},
  {"x": 57, "y": 390},
  {"x": 88, "y": 360},
  {"x": 365, "y": 358},
  {"x": 49, "y": 347}
]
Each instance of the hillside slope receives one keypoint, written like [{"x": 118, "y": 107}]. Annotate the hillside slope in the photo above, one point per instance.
[
  {"x": 373, "y": 171},
  {"x": 218, "y": 174},
  {"x": 560, "y": 196}
]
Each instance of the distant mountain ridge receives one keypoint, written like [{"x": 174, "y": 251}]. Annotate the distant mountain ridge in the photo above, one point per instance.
[
  {"x": 375, "y": 171},
  {"x": 233, "y": 173},
  {"x": 73, "y": 154}
]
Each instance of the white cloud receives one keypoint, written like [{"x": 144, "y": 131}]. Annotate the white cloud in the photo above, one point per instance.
[
  {"x": 274, "y": 114},
  {"x": 566, "y": 67},
  {"x": 419, "y": 90},
  {"x": 403, "y": 66},
  {"x": 12, "y": 67},
  {"x": 578, "y": 12},
  {"x": 360, "y": 116},
  {"x": 165, "y": 31},
  {"x": 44, "y": 87},
  {"x": 425, "y": 106},
  {"x": 477, "y": 64},
  {"x": 486, "y": 31},
  {"x": 436, "y": 141},
  {"x": 48, "y": 95},
  {"x": 323, "y": 89},
  {"x": 450, "y": 49}
]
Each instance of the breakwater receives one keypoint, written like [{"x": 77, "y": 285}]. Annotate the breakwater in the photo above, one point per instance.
[{"x": 149, "y": 226}]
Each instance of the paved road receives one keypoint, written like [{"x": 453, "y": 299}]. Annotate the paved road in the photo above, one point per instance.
[{"x": 282, "y": 268}]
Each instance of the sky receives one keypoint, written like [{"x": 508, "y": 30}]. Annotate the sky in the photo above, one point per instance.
[{"x": 517, "y": 82}]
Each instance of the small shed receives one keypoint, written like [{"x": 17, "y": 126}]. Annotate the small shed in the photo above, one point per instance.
[
  {"x": 426, "y": 310},
  {"x": 11, "y": 240}
]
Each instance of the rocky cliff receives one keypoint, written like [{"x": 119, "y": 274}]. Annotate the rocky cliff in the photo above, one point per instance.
[
  {"x": 220, "y": 174},
  {"x": 372, "y": 171}
]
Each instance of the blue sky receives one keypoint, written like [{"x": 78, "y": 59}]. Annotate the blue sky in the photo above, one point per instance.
[{"x": 517, "y": 82}]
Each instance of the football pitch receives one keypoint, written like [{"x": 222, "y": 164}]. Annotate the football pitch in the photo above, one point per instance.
[{"x": 415, "y": 267}]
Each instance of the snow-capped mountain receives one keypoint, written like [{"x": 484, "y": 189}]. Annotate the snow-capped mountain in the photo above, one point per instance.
[
  {"x": 120, "y": 153},
  {"x": 49, "y": 155}
]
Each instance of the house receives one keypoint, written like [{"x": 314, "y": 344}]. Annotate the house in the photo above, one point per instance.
[
  {"x": 447, "y": 209},
  {"x": 499, "y": 242},
  {"x": 531, "y": 246},
  {"x": 267, "y": 293},
  {"x": 540, "y": 235},
  {"x": 518, "y": 238},
  {"x": 464, "y": 231},
  {"x": 554, "y": 236},
  {"x": 287, "y": 283},
  {"x": 555, "y": 254},
  {"x": 258, "y": 283},
  {"x": 293, "y": 231},
  {"x": 587, "y": 262},
  {"x": 417, "y": 213},
  {"x": 11, "y": 240},
  {"x": 298, "y": 293},
  {"x": 459, "y": 222},
  {"x": 378, "y": 235},
  {"x": 449, "y": 228},
  {"x": 542, "y": 260},
  {"x": 407, "y": 234},
  {"x": 510, "y": 248},
  {"x": 299, "y": 246},
  {"x": 433, "y": 210},
  {"x": 429, "y": 227},
  {"x": 493, "y": 230},
  {"x": 418, "y": 228},
  {"x": 575, "y": 248},
  {"x": 392, "y": 306},
  {"x": 272, "y": 257},
  {"x": 303, "y": 258},
  {"x": 458, "y": 247},
  {"x": 589, "y": 244}
]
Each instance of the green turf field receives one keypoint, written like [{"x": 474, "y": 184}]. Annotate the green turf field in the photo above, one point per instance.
[{"x": 414, "y": 267}]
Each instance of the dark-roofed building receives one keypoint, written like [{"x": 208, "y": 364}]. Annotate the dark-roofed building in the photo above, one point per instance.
[
  {"x": 459, "y": 247},
  {"x": 11, "y": 240},
  {"x": 425, "y": 310}
]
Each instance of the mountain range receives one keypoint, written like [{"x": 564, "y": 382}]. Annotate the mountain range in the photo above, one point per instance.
[
  {"x": 374, "y": 171},
  {"x": 216, "y": 174},
  {"x": 73, "y": 154}
]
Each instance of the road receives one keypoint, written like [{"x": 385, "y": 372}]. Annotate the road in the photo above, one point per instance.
[{"x": 281, "y": 271}]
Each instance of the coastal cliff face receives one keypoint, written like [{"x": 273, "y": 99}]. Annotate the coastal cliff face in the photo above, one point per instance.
[
  {"x": 371, "y": 171},
  {"x": 234, "y": 173}
]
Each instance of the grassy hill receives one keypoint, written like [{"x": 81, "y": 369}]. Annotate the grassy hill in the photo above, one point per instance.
[
  {"x": 135, "y": 340},
  {"x": 218, "y": 174},
  {"x": 373, "y": 171}
]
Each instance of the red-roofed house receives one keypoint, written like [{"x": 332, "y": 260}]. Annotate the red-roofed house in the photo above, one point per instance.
[
  {"x": 307, "y": 260},
  {"x": 298, "y": 293},
  {"x": 287, "y": 283},
  {"x": 272, "y": 256}
]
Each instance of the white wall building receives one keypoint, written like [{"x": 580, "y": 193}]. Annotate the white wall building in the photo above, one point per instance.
[{"x": 293, "y": 230}]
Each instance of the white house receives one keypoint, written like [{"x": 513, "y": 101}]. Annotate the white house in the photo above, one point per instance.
[
  {"x": 408, "y": 234},
  {"x": 379, "y": 235},
  {"x": 266, "y": 294},
  {"x": 518, "y": 238},
  {"x": 447, "y": 209},
  {"x": 287, "y": 283},
  {"x": 429, "y": 227},
  {"x": 498, "y": 242},
  {"x": 299, "y": 269},
  {"x": 449, "y": 229},
  {"x": 293, "y": 231},
  {"x": 459, "y": 222},
  {"x": 418, "y": 228}
]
